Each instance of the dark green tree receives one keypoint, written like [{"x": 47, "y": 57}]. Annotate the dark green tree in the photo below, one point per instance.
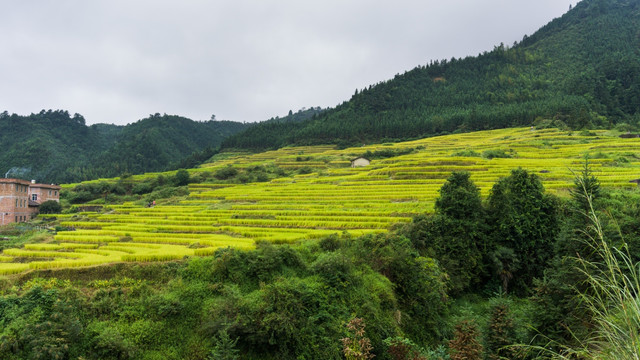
[
  {"x": 224, "y": 348},
  {"x": 500, "y": 333},
  {"x": 556, "y": 294},
  {"x": 524, "y": 219},
  {"x": 50, "y": 207},
  {"x": 586, "y": 189},
  {"x": 455, "y": 234},
  {"x": 181, "y": 178}
]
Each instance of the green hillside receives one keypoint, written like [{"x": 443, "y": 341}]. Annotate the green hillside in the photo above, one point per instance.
[
  {"x": 452, "y": 244},
  {"x": 301, "y": 193},
  {"x": 582, "y": 69},
  {"x": 53, "y": 146}
]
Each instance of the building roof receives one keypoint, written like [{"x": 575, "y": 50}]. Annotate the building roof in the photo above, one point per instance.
[
  {"x": 637, "y": 181},
  {"x": 14, "y": 181},
  {"x": 46, "y": 186},
  {"x": 360, "y": 157}
]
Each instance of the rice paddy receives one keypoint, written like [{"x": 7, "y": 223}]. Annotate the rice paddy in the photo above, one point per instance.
[{"x": 328, "y": 198}]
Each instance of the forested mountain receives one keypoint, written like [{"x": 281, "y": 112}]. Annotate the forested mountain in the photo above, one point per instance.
[
  {"x": 582, "y": 69},
  {"x": 53, "y": 146},
  {"x": 300, "y": 115}
]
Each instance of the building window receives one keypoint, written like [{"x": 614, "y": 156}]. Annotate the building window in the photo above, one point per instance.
[
  {"x": 34, "y": 197},
  {"x": 16, "y": 219},
  {"x": 55, "y": 193}
]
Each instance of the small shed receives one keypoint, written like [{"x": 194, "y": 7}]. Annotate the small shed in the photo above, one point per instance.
[
  {"x": 637, "y": 181},
  {"x": 360, "y": 162}
]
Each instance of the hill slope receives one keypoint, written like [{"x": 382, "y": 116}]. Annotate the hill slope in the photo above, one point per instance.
[
  {"x": 53, "y": 146},
  {"x": 582, "y": 69}
]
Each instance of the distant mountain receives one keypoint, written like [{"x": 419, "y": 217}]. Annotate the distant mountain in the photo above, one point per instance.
[
  {"x": 581, "y": 70},
  {"x": 53, "y": 146}
]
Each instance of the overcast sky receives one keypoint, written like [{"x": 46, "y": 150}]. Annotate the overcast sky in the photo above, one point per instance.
[{"x": 117, "y": 61}]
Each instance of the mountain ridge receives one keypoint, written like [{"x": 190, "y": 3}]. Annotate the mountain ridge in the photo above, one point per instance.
[
  {"x": 54, "y": 146},
  {"x": 581, "y": 70}
]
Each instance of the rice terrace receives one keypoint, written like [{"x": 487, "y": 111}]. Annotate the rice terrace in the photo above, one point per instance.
[{"x": 322, "y": 195}]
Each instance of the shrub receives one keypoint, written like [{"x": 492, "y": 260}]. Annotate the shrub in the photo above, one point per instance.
[
  {"x": 356, "y": 346},
  {"x": 225, "y": 173},
  {"x": 181, "y": 178},
  {"x": 50, "y": 207},
  {"x": 495, "y": 153}
]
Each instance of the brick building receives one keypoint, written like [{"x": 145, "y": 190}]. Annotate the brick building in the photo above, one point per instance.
[{"x": 20, "y": 199}]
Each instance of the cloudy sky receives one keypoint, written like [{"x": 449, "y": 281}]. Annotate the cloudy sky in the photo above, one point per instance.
[{"x": 117, "y": 61}]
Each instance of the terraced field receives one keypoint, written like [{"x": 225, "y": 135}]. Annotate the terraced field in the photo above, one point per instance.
[{"x": 329, "y": 198}]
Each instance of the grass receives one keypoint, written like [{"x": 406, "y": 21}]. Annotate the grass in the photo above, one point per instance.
[{"x": 611, "y": 299}]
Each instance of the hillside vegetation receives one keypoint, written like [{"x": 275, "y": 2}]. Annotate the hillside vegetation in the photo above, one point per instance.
[
  {"x": 301, "y": 193},
  {"x": 581, "y": 70},
  {"x": 55, "y": 147},
  {"x": 445, "y": 246}
]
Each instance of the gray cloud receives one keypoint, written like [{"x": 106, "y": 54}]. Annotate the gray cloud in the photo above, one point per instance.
[{"x": 247, "y": 60}]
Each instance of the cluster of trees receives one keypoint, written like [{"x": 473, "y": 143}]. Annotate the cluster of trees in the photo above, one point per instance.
[
  {"x": 125, "y": 188},
  {"x": 503, "y": 244},
  {"x": 582, "y": 69},
  {"x": 277, "y": 302},
  {"x": 56, "y": 147}
]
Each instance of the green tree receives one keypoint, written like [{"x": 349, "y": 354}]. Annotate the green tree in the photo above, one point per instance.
[
  {"x": 500, "y": 333},
  {"x": 50, "y": 207},
  {"x": 181, "y": 178},
  {"x": 524, "y": 219},
  {"x": 224, "y": 348},
  {"x": 455, "y": 234}
]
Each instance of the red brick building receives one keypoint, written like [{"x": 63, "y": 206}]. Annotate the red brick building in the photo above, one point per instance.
[{"x": 20, "y": 199}]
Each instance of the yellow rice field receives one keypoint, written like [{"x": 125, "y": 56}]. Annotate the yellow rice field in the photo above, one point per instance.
[{"x": 333, "y": 198}]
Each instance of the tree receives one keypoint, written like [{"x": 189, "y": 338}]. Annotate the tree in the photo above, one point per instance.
[
  {"x": 225, "y": 348},
  {"x": 585, "y": 190},
  {"x": 50, "y": 207},
  {"x": 182, "y": 177},
  {"x": 500, "y": 332},
  {"x": 455, "y": 234},
  {"x": 459, "y": 198},
  {"x": 465, "y": 344},
  {"x": 524, "y": 219}
]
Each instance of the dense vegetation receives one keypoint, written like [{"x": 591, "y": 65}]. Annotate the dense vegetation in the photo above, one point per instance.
[
  {"x": 580, "y": 70},
  {"x": 53, "y": 146}
]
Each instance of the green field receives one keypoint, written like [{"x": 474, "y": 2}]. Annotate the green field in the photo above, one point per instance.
[{"x": 329, "y": 197}]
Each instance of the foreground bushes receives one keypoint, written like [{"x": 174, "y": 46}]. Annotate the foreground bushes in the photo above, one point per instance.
[{"x": 275, "y": 302}]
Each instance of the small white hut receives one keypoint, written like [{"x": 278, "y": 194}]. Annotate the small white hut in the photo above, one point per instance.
[{"x": 360, "y": 162}]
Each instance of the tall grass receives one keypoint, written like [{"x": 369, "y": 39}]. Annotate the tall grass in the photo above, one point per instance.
[{"x": 611, "y": 298}]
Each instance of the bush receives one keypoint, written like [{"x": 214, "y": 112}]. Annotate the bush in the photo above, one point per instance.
[
  {"x": 226, "y": 173},
  {"x": 181, "y": 178},
  {"x": 495, "y": 153},
  {"x": 50, "y": 207}
]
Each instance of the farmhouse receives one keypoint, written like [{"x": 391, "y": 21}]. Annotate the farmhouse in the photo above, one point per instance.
[
  {"x": 20, "y": 199},
  {"x": 637, "y": 181},
  {"x": 360, "y": 162}
]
